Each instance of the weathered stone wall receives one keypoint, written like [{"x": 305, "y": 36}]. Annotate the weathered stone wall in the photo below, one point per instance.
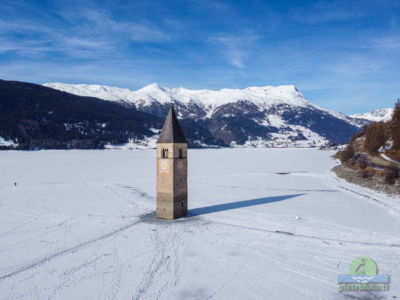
[{"x": 172, "y": 189}]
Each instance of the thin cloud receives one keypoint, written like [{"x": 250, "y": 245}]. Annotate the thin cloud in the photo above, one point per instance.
[
  {"x": 357, "y": 65},
  {"x": 210, "y": 5},
  {"x": 388, "y": 43},
  {"x": 236, "y": 49},
  {"x": 334, "y": 48},
  {"x": 100, "y": 22},
  {"x": 28, "y": 48},
  {"x": 329, "y": 11},
  {"x": 89, "y": 34}
]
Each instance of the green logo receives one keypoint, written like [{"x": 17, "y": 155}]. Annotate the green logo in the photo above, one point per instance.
[
  {"x": 363, "y": 277},
  {"x": 363, "y": 266}
]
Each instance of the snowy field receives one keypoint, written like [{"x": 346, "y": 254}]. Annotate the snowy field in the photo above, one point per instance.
[{"x": 79, "y": 225}]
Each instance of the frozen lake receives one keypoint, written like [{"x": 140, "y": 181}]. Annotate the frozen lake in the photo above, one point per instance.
[{"x": 79, "y": 225}]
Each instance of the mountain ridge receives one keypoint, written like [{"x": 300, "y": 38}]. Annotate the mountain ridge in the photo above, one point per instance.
[
  {"x": 37, "y": 117},
  {"x": 267, "y": 116},
  {"x": 264, "y": 95},
  {"x": 40, "y": 117},
  {"x": 377, "y": 115}
]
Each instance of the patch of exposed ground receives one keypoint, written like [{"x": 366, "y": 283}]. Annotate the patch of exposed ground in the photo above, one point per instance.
[{"x": 375, "y": 183}]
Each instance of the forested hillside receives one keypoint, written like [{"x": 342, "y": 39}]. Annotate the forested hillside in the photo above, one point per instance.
[
  {"x": 375, "y": 152},
  {"x": 35, "y": 116}
]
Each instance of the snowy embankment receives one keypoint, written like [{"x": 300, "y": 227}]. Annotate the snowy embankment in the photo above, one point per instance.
[
  {"x": 389, "y": 159},
  {"x": 265, "y": 223},
  {"x": 7, "y": 143}
]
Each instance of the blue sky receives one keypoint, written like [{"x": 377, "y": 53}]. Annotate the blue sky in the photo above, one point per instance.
[{"x": 342, "y": 55}]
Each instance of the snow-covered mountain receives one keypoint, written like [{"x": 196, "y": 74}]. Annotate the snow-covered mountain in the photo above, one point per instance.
[
  {"x": 269, "y": 116},
  {"x": 384, "y": 114},
  {"x": 154, "y": 93}
]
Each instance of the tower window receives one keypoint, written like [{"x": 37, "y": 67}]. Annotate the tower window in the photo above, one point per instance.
[
  {"x": 180, "y": 153},
  {"x": 164, "y": 153}
]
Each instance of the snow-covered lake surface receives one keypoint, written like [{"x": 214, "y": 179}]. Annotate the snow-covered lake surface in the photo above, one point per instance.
[{"x": 79, "y": 225}]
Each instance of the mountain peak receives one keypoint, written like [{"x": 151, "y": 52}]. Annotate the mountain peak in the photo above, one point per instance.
[
  {"x": 151, "y": 86},
  {"x": 377, "y": 115},
  {"x": 268, "y": 115},
  {"x": 264, "y": 96}
]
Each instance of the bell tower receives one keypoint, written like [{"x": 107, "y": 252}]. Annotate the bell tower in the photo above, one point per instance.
[{"x": 172, "y": 191}]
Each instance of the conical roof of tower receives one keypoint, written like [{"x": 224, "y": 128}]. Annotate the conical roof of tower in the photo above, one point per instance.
[{"x": 172, "y": 131}]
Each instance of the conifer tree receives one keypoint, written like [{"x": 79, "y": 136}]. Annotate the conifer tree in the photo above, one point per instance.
[
  {"x": 394, "y": 126},
  {"x": 375, "y": 137}
]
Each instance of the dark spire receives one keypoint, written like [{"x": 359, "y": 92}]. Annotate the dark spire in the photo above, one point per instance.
[{"x": 171, "y": 131}]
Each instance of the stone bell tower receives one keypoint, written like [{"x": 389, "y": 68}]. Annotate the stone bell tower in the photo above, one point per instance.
[{"x": 172, "y": 191}]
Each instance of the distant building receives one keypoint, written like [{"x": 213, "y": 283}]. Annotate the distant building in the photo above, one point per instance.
[{"x": 172, "y": 191}]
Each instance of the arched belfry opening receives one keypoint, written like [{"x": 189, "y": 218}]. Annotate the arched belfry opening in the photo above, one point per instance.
[
  {"x": 172, "y": 190},
  {"x": 164, "y": 153}
]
